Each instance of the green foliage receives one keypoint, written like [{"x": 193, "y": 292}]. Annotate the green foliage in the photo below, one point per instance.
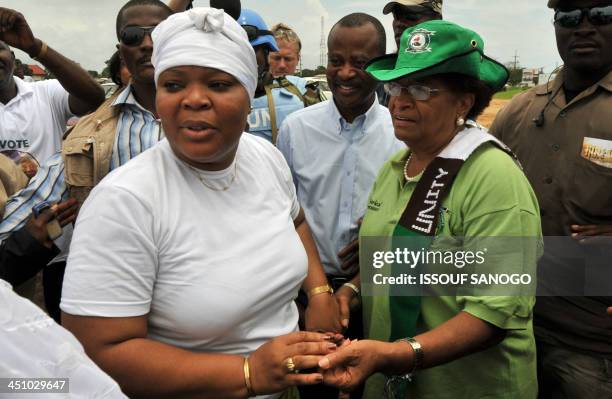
[
  {"x": 106, "y": 71},
  {"x": 306, "y": 73},
  {"x": 516, "y": 77},
  {"x": 509, "y": 93}
]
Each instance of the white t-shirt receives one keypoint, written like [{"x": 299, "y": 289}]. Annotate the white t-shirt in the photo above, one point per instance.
[
  {"x": 216, "y": 271},
  {"x": 34, "y": 346},
  {"x": 35, "y": 120}
]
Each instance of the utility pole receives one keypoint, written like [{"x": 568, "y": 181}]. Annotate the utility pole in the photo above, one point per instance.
[
  {"x": 516, "y": 57},
  {"x": 323, "y": 46}
]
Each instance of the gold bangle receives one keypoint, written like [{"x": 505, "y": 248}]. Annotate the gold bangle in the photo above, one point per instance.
[
  {"x": 42, "y": 52},
  {"x": 247, "y": 377},
  {"x": 319, "y": 290}
]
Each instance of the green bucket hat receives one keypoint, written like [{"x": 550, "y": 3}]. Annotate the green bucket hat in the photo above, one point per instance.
[{"x": 437, "y": 47}]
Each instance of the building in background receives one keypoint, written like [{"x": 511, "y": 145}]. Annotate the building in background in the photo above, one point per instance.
[{"x": 37, "y": 72}]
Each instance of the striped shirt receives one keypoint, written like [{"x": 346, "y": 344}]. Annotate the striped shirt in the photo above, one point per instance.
[{"x": 137, "y": 131}]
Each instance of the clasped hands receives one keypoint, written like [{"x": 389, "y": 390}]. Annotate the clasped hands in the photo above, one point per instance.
[{"x": 308, "y": 358}]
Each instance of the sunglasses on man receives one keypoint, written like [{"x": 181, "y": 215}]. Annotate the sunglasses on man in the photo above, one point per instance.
[
  {"x": 133, "y": 36},
  {"x": 573, "y": 18},
  {"x": 254, "y": 32}
]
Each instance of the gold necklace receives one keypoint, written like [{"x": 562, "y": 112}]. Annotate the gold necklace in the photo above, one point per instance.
[
  {"x": 199, "y": 176},
  {"x": 414, "y": 178}
]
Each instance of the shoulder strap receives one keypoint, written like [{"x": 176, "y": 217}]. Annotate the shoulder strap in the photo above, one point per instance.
[
  {"x": 272, "y": 112},
  {"x": 284, "y": 83}
]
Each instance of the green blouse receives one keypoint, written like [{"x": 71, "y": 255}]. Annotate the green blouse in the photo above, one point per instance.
[{"x": 490, "y": 197}]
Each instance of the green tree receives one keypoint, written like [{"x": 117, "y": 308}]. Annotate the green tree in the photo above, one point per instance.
[
  {"x": 516, "y": 73},
  {"x": 516, "y": 77},
  {"x": 306, "y": 73},
  {"x": 106, "y": 71}
]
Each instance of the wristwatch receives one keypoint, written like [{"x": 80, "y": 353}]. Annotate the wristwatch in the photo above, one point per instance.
[{"x": 353, "y": 287}]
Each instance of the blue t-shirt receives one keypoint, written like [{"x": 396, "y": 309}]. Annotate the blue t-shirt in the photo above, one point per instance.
[{"x": 285, "y": 103}]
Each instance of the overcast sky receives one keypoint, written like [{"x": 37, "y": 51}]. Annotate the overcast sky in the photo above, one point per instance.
[{"x": 83, "y": 30}]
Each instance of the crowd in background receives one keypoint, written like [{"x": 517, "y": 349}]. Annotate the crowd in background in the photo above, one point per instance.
[{"x": 198, "y": 233}]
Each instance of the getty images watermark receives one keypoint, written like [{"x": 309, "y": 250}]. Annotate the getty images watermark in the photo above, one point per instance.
[
  {"x": 458, "y": 259},
  {"x": 488, "y": 266}
]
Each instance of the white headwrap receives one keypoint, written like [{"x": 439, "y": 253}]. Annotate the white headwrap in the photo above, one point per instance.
[{"x": 205, "y": 37}]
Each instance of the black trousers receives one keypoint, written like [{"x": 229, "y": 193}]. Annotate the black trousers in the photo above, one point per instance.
[
  {"x": 53, "y": 278},
  {"x": 22, "y": 257},
  {"x": 566, "y": 374}
]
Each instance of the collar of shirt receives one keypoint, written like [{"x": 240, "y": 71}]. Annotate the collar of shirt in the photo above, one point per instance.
[
  {"x": 398, "y": 162},
  {"x": 127, "y": 98},
  {"x": 23, "y": 90},
  {"x": 365, "y": 121},
  {"x": 556, "y": 89}
]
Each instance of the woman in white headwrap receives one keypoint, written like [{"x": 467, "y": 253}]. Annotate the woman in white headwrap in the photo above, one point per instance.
[{"x": 185, "y": 262}]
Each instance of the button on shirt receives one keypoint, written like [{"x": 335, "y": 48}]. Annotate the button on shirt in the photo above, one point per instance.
[
  {"x": 137, "y": 131},
  {"x": 334, "y": 164}
]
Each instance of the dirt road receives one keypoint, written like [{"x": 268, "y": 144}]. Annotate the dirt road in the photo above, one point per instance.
[{"x": 486, "y": 119}]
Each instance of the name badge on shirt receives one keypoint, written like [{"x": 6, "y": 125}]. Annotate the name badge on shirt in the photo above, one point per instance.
[{"x": 597, "y": 151}]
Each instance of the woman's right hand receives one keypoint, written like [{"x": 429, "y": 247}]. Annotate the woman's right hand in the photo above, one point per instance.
[
  {"x": 354, "y": 362},
  {"x": 268, "y": 364}
]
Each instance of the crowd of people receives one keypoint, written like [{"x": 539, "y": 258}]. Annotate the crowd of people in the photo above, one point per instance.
[{"x": 199, "y": 232}]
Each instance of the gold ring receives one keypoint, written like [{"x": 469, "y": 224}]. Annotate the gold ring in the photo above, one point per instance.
[{"x": 289, "y": 365}]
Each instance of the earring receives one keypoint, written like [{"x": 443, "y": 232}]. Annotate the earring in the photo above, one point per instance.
[{"x": 460, "y": 121}]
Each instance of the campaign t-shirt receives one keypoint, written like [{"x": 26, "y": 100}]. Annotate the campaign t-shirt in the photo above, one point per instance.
[{"x": 32, "y": 123}]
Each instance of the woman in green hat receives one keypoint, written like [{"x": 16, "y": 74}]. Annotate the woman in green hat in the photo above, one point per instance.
[{"x": 452, "y": 184}]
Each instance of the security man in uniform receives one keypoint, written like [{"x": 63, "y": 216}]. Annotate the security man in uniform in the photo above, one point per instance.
[
  {"x": 561, "y": 132},
  {"x": 275, "y": 98}
]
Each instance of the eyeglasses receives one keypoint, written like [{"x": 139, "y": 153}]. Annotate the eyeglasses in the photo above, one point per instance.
[
  {"x": 133, "y": 36},
  {"x": 418, "y": 92},
  {"x": 573, "y": 18},
  {"x": 254, "y": 32}
]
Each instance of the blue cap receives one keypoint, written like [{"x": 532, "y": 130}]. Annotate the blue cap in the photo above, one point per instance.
[{"x": 250, "y": 17}]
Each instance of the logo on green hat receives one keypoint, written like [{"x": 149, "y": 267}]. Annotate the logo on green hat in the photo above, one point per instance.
[{"x": 419, "y": 41}]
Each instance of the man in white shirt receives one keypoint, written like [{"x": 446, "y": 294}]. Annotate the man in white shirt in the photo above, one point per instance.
[
  {"x": 33, "y": 116},
  {"x": 335, "y": 150}
]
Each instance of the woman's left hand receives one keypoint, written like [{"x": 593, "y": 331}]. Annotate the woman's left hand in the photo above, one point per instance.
[
  {"x": 323, "y": 314},
  {"x": 352, "y": 364},
  {"x": 347, "y": 302}
]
